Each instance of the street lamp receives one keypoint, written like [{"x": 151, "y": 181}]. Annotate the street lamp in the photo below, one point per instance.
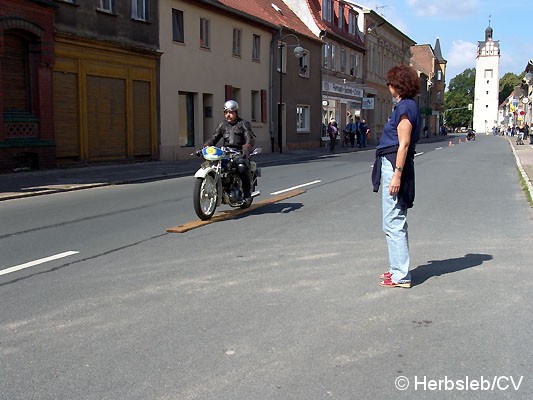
[{"x": 298, "y": 53}]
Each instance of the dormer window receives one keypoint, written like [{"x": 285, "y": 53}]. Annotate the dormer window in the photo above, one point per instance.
[
  {"x": 327, "y": 10},
  {"x": 341, "y": 17},
  {"x": 352, "y": 23}
]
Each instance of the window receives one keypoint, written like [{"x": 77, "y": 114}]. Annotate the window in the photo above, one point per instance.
[
  {"x": 186, "y": 119},
  {"x": 177, "y": 26},
  {"x": 326, "y": 55},
  {"x": 256, "y": 49},
  {"x": 353, "y": 69},
  {"x": 488, "y": 73},
  {"x": 439, "y": 75},
  {"x": 237, "y": 34},
  {"x": 327, "y": 10},
  {"x": 204, "y": 33},
  {"x": 341, "y": 17},
  {"x": 138, "y": 9},
  {"x": 105, "y": 5},
  {"x": 333, "y": 57},
  {"x": 343, "y": 60},
  {"x": 302, "y": 118},
  {"x": 352, "y": 23},
  {"x": 304, "y": 65},
  {"x": 256, "y": 105}
]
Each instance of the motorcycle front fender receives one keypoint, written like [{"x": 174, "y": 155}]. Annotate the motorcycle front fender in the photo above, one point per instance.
[{"x": 203, "y": 172}]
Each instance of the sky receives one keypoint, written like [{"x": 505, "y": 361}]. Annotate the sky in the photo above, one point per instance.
[{"x": 460, "y": 25}]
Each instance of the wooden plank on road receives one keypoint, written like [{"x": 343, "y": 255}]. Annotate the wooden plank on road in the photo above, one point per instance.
[{"x": 223, "y": 215}]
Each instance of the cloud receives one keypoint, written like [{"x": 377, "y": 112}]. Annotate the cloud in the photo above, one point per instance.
[
  {"x": 462, "y": 55},
  {"x": 444, "y": 8}
]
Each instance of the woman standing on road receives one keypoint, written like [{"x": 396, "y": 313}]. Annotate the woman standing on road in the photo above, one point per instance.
[{"x": 394, "y": 168}]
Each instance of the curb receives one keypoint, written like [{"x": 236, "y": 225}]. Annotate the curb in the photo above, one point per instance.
[{"x": 523, "y": 173}]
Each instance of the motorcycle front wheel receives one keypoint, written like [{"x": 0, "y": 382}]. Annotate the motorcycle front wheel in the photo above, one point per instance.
[{"x": 205, "y": 197}]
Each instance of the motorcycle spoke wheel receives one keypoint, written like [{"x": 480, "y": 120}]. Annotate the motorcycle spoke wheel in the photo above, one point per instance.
[{"x": 205, "y": 197}]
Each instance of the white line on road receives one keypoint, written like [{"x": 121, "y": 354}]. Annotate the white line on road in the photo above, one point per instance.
[
  {"x": 295, "y": 187},
  {"x": 438, "y": 148},
  {"x": 37, "y": 262}
]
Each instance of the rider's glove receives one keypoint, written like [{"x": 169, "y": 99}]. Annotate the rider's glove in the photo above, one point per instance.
[
  {"x": 198, "y": 152},
  {"x": 246, "y": 150}
]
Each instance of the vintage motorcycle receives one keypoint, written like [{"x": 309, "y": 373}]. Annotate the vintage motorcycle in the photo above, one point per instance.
[
  {"x": 218, "y": 181},
  {"x": 471, "y": 135}
]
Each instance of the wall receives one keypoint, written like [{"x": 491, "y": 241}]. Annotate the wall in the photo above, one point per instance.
[{"x": 205, "y": 74}]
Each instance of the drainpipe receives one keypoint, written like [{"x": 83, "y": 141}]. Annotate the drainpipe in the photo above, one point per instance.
[{"x": 273, "y": 46}]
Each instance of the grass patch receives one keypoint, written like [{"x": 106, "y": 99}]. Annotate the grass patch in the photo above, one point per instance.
[{"x": 523, "y": 183}]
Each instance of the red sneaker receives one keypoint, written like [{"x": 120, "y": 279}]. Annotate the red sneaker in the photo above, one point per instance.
[
  {"x": 385, "y": 275},
  {"x": 391, "y": 283}
]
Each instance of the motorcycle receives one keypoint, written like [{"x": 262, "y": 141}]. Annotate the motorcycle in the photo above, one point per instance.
[
  {"x": 218, "y": 181},
  {"x": 471, "y": 135}
]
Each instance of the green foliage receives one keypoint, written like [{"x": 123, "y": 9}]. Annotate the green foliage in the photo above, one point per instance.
[
  {"x": 508, "y": 83},
  {"x": 459, "y": 95}
]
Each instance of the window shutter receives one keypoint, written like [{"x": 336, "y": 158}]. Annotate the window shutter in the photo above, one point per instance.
[{"x": 229, "y": 92}]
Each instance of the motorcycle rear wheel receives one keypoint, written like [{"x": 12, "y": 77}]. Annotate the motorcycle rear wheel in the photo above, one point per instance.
[{"x": 205, "y": 197}]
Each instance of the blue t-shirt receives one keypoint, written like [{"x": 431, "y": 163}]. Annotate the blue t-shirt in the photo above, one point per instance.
[{"x": 389, "y": 136}]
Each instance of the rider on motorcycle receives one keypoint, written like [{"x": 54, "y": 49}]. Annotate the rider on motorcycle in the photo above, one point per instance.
[{"x": 237, "y": 133}]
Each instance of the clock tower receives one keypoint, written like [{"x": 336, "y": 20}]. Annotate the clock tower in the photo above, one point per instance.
[{"x": 487, "y": 87}]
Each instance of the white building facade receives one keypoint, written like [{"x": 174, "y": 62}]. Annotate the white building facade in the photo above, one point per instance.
[{"x": 487, "y": 84}]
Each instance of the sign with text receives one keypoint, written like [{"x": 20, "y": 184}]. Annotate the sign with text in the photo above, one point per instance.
[
  {"x": 342, "y": 89},
  {"x": 368, "y": 103}
]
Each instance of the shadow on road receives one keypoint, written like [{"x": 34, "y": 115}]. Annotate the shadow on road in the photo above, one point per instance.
[
  {"x": 440, "y": 267},
  {"x": 276, "y": 208}
]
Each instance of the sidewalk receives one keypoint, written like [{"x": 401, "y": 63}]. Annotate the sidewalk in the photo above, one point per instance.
[
  {"x": 34, "y": 183},
  {"x": 524, "y": 161}
]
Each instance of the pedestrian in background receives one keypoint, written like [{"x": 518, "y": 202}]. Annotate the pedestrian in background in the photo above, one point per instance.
[
  {"x": 363, "y": 132},
  {"x": 333, "y": 131},
  {"x": 350, "y": 131},
  {"x": 394, "y": 170}
]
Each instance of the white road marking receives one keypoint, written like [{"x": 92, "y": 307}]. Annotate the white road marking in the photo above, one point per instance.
[
  {"x": 419, "y": 154},
  {"x": 37, "y": 262},
  {"x": 295, "y": 187},
  {"x": 438, "y": 148}
]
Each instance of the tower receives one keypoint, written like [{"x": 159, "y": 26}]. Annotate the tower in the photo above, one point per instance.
[{"x": 487, "y": 83}]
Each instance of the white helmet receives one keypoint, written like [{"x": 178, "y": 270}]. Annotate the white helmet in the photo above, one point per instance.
[{"x": 231, "y": 105}]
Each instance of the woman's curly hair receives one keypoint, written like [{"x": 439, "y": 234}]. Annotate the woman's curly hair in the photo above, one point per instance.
[{"x": 405, "y": 81}]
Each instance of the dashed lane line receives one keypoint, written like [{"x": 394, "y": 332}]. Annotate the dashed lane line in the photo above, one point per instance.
[{"x": 37, "y": 262}]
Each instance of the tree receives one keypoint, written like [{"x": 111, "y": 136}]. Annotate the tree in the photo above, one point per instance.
[
  {"x": 459, "y": 95},
  {"x": 508, "y": 83}
]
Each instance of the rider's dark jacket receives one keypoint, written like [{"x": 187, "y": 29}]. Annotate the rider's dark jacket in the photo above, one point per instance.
[{"x": 235, "y": 135}]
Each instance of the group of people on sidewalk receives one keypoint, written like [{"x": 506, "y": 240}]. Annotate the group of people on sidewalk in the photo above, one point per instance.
[
  {"x": 353, "y": 132},
  {"x": 522, "y": 132}
]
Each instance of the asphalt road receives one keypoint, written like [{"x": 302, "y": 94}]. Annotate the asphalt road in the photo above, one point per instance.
[{"x": 280, "y": 303}]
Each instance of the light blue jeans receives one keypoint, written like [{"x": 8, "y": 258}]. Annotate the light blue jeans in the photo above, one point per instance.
[{"x": 395, "y": 227}]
